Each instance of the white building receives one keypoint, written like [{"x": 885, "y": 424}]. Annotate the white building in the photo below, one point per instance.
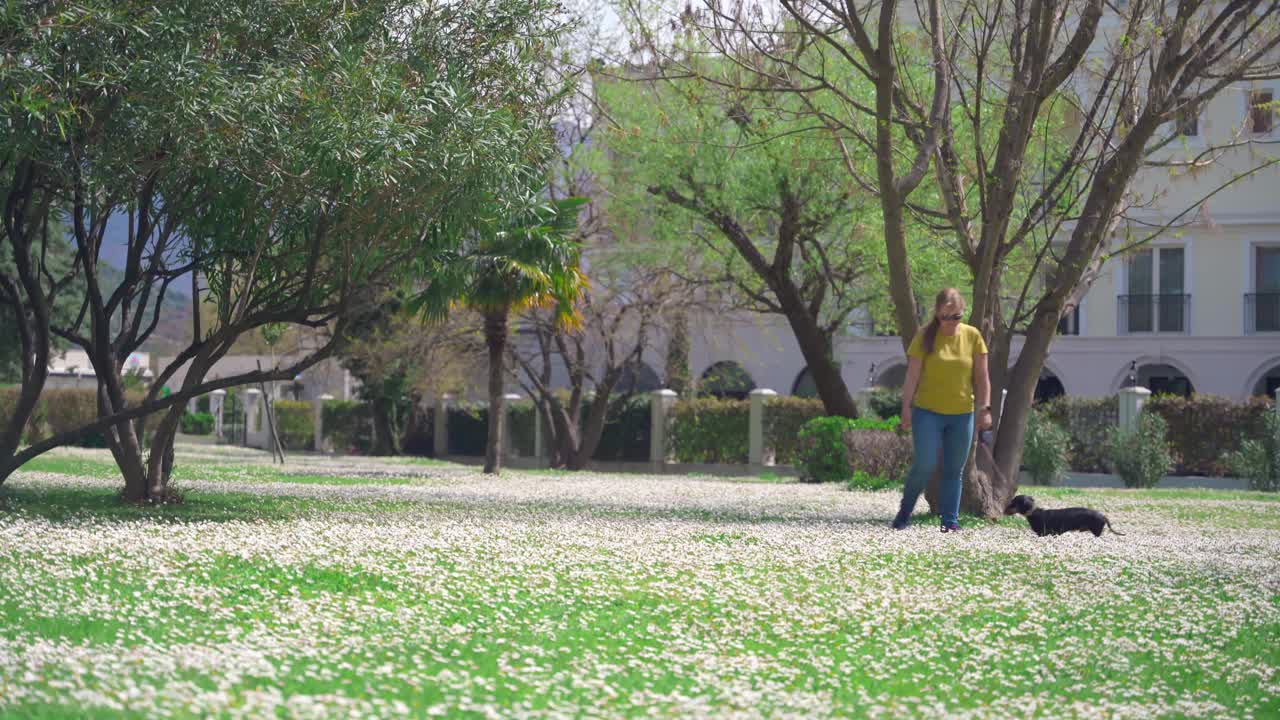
[{"x": 1198, "y": 310}]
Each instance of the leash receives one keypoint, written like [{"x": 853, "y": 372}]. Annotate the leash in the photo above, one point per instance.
[{"x": 984, "y": 446}]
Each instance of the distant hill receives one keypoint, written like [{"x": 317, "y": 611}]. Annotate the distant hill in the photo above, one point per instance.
[{"x": 173, "y": 331}]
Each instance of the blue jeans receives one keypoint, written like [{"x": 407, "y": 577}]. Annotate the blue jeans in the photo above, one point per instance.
[{"x": 931, "y": 432}]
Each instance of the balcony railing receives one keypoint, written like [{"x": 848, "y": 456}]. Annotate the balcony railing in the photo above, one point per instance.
[
  {"x": 1164, "y": 313},
  {"x": 1262, "y": 312}
]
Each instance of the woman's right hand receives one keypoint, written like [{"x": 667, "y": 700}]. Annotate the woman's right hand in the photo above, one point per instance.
[{"x": 905, "y": 419}]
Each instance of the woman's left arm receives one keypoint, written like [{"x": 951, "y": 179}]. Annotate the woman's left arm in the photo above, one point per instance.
[{"x": 982, "y": 391}]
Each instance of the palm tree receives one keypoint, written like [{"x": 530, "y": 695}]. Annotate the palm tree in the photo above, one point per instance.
[{"x": 529, "y": 259}]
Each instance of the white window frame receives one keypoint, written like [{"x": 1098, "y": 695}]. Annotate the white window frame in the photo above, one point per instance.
[
  {"x": 1058, "y": 248},
  {"x": 1188, "y": 274},
  {"x": 1250, "y": 283},
  {"x": 1247, "y": 100}
]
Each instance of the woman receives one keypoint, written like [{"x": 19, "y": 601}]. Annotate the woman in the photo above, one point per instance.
[{"x": 946, "y": 368}]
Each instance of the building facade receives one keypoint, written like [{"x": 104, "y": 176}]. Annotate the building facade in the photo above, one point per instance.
[{"x": 1195, "y": 309}]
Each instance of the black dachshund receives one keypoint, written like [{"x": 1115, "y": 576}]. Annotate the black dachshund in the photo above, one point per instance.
[{"x": 1055, "y": 522}]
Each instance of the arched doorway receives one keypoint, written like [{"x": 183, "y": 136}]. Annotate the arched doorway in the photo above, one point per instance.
[
  {"x": 1268, "y": 382},
  {"x": 1048, "y": 387},
  {"x": 638, "y": 377},
  {"x": 1164, "y": 379},
  {"x": 726, "y": 379},
  {"x": 804, "y": 386},
  {"x": 892, "y": 377}
]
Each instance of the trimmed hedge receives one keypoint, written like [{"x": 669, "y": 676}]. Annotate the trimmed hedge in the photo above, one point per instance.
[
  {"x": 710, "y": 430},
  {"x": 197, "y": 423},
  {"x": 1204, "y": 430},
  {"x": 348, "y": 426},
  {"x": 60, "y": 410},
  {"x": 295, "y": 421},
  {"x": 783, "y": 418},
  {"x": 833, "y": 449},
  {"x": 520, "y": 427},
  {"x": 1140, "y": 457},
  {"x": 886, "y": 402},
  {"x": 1087, "y": 421}
]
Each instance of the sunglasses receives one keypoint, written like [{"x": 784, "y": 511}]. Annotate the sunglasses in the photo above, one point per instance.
[{"x": 956, "y": 317}]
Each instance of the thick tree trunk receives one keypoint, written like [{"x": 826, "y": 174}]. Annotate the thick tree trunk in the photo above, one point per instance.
[
  {"x": 495, "y": 335},
  {"x": 31, "y": 317},
  {"x": 597, "y": 416},
  {"x": 28, "y": 397},
  {"x": 815, "y": 346}
]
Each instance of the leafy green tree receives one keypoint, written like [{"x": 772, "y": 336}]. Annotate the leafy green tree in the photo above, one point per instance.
[
  {"x": 734, "y": 183},
  {"x": 525, "y": 258},
  {"x": 290, "y": 154}
]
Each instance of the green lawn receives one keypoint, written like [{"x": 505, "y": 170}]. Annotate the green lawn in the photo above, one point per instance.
[{"x": 442, "y": 592}]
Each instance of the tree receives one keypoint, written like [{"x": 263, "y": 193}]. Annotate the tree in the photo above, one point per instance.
[
  {"x": 1030, "y": 120},
  {"x": 294, "y": 169},
  {"x": 621, "y": 313},
  {"x": 522, "y": 258},
  {"x": 399, "y": 360},
  {"x": 734, "y": 172}
]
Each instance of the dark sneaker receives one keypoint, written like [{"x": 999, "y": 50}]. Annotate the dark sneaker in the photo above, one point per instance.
[
  {"x": 901, "y": 520},
  {"x": 950, "y": 527}
]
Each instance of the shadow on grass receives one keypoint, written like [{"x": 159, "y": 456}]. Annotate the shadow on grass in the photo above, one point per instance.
[{"x": 74, "y": 504}]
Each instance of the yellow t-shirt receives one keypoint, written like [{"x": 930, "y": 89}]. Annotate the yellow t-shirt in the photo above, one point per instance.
[{"x": 946, "y": 381}]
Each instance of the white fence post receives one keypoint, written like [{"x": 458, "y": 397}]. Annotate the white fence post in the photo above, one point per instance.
[
  {"x": 440, "y": 431},
  {"x": 758, "y": 455},
  {"x": 1131, "y": 401},
  {"x": 508, "y": 443},
  {"x": 660, "y": 402},
  {"x": 253, "y": 418},
  {"x": 862, "y": 400},
  {"x": 216, "y": 399},
  {"x": 317, "y": 422}
]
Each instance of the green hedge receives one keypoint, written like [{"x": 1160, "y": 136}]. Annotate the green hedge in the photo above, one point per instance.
[
  {"x": 348, "y": 426},
  {"x": 295, "y": 421},
  {"x": 60, "y": 410},
  {"x": 1087, "y": 421},
  {"x": 521, "y": 427},
  {"x": 1204, "y": 430},
  {"x": 833, "y": 449},
  {"x": 886, "y": 402},
  {"x": 710, "y": 430},
  {"x": 196, "y": 423},
  {"x": 783, "y": 418}
]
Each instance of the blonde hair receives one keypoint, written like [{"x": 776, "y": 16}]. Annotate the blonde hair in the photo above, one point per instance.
[{"x": 931, "y": 330}]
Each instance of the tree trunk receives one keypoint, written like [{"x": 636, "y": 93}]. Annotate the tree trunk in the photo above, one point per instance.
[
  {"x": 597, "y": 416},
  {"x": 386, "y": 440},
  {"x": 815, "y": 346},
  {"x": 495, "y": 336}
]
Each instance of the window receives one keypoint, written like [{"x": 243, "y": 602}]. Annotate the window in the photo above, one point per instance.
[
  {"x": 1262, "y": 111},
  {"x": 1187, "y": 123},
  {"x": 1263, "y": 306},
  {"x": 1070, "y": 323},
  {"x": 1156, "y": 301}
]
